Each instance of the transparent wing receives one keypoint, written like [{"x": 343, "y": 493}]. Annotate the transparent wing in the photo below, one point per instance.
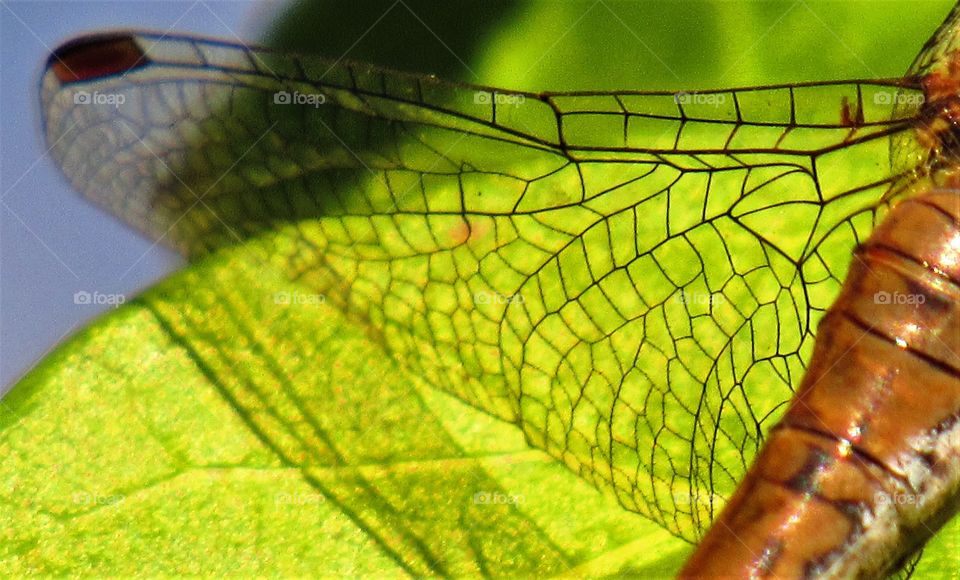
[
  {"x": 633, "y": 278},
  {"x": 944, "y": 41}
]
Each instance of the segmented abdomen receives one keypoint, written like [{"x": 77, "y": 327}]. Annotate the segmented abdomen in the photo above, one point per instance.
[{"x": 865, "y": 464}]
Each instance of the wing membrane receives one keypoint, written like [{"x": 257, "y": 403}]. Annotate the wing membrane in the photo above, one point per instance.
[
  {"x": 942, "y": 43},
  {"x": 634, "y": 278}
]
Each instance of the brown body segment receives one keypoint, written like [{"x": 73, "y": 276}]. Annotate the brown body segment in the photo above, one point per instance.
[{"x": 865, "y": 465}]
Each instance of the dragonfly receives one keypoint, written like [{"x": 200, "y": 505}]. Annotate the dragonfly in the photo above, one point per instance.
[{"x": 599, "y": 268}]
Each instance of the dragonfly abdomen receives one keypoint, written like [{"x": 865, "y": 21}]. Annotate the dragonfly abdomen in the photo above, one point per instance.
[{"x": 865, "y": 465}]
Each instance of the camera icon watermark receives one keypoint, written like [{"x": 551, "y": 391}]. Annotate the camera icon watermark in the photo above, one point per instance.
[
  {"x": 697, "y": 499},
  {"x": 898, "y": 499},
  {"x": 298, "y": 299},
  {"x": 898, "y": 298},
  {"x": 497, "y": 498},
  {"x": 712, "y": 99},
  {"x": 898, "y": 98},
  {"x": 298, "y": 499},
  {"x": 485, "y": 98},
  {"x": 84, "y": 298},
  {"x": 298, "y": 98},
  {"x": 497, "y": 298},
  {"x": 97, "y": 98},
  {"x": 85, "y": 498},
  {"x": 684, "y": 297}
]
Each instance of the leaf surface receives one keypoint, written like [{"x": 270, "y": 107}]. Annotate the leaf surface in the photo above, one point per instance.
[{"x": 207, "y": 429}]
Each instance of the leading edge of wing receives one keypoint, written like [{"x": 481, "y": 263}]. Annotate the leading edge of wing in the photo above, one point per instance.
[{"x": 114, "y": 56}]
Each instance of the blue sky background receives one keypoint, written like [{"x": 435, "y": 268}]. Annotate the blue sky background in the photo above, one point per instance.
[{"x": 53, "y": 243}]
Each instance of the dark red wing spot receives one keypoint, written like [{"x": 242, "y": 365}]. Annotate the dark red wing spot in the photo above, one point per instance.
[
  {"x": 850, "y": 114},
  {"x": 93, "y": 57}
]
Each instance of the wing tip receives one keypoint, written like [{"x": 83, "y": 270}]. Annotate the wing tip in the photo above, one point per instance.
[{"x": 95, "y": 56}]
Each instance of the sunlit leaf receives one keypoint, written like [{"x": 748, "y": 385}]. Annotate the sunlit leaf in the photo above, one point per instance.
[{"x": 227, "y": 413}]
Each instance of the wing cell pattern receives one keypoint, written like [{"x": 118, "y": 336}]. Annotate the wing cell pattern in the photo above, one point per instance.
[{"x": 633, "y": 278}]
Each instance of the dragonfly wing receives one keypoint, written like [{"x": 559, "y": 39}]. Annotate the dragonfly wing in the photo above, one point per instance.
[
  {"x": 936, "y": 50},
  {"x": 633, "y": 278}
]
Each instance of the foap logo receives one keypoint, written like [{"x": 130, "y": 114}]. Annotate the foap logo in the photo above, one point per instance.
[
  {"x": 298, "y": 299},
  {"x": 898, "y": 98},
  {"x": 899, "y": 499},
  {"x": 297, "y": 98},
  {"x": 85, "y": 498},
  {"x": 497, "y": 498},
  {"x": 883, "y": 297},
  {"x": 702, "y": 499},
  {"x": 84, "y": 298},
  {"x": 298, "y": 499},
  {"x": 497, "y": 298},
  {"x": 685, "y": 297},
  {"x": 712, "y": 99},
  {"x": 485, "y": 98},
  {"x": 96, "y": 98}
]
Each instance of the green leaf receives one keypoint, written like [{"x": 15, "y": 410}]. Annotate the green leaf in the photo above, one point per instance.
[{"x": 209, "y": 428}]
